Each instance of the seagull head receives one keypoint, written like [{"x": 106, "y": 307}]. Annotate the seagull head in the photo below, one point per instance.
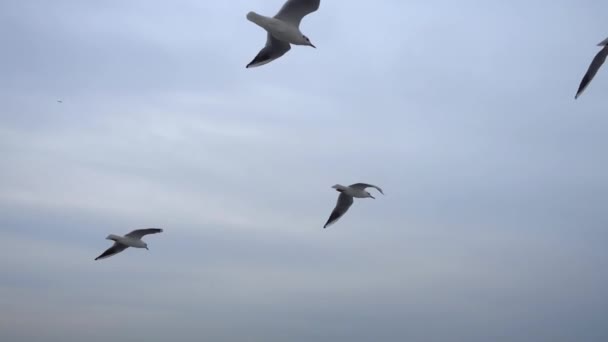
[
  {"x": 370, "y": 195},
  {"x": 306, "y": 41},
  {"x": 146, "y": 246}
]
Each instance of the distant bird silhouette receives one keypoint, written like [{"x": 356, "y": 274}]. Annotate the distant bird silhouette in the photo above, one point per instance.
[
  {"x": 345, "y": 199},
  {"x": 283, "y": 29},
  {"x": 596, "y": 63},
  {"x": 59, "y": 101},
  {"x": 133, "y": 239}
]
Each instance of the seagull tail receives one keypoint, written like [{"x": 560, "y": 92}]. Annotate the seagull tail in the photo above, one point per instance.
[
  {"x": 255, "y": 18},
  {"x": 112, "y": 237}
]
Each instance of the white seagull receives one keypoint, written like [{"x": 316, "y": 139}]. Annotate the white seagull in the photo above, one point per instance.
[
  {"x": 596, "y": 63},
  {"x": 133, "y": 239},
  {"x": 345, "y": 200},
  {"x": 283, "y": 29}
]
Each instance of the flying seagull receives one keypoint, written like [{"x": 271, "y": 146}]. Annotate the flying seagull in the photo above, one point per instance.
[
  {"x": 345, "y": 200},
  {"x": 283, "y": 29},
  {"x": 133, "y": 239},
  {"x": 596, "y": 63},
  {"x": 59, "y": 101}
]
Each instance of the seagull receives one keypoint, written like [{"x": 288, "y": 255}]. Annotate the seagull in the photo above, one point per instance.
[
  {"x": 597, "y": 62},
  {"x": 133, "y": 239},
  {"x": 345, "y": 200},
  {"x": 283, "y": 29},
  {"x": 59, "y": 101}
]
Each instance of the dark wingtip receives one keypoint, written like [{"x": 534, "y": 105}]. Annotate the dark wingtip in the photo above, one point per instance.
[
  {"x": 250, "y": 64},
  {"x": 260, "y": 59}
]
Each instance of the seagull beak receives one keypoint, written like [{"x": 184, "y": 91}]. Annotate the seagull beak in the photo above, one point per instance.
[
  {"x": 147, "y": 249},
  {"x": 372, "y": 196},
  {"x": 313, "y": 46}
]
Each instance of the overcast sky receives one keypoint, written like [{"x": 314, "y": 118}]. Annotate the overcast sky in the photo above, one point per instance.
[{"x": 494, "y": 224}]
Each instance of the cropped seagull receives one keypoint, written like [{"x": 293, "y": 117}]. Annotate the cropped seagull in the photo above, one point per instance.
[
  {"x": 597, "y": 62},
  {"x": 345, "y": 200},
  {"x": 133, "y": 239},
  {"x": 283, "y": 29}
]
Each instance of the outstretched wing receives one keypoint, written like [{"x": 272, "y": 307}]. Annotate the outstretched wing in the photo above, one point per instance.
[
  {"x": 294, "y": 10},
  {"x": 597, "y": 62},
  {"x": 274, "y": 49},
  {"x": 139, "y": 233},
  {"x": 344, "y": 202},
  {"x": 115, "y": 249},
  {"x": 363, "y": 186}
]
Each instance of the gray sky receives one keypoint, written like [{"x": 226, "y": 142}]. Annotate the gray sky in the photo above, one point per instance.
[{"x": 493, "y": 227}]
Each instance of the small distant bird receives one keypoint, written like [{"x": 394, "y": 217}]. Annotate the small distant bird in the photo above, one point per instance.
[
  {"x": 283, "y": 29},
  {"x": 59, "y": 101},
  {"x": 133, "y": 239},
  {"x": 597, "y": 62},
  {"x": 345, "y": 199}
]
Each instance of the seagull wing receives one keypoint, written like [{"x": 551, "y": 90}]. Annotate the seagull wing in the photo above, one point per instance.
[
  {"x": 294, "y": 10},
  {"x": 597, "y": 62},
  {"x": 344, "y": 202},
  {"x": 139, "y": 233},
  {"x": 363, "y": 186},
  {"x": 274, "y": 49},
  {"x": 115, "y": 249}
]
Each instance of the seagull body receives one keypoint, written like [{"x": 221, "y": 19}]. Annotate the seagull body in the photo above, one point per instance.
[
  {"x": 279, "y": 29},
  {"x": 346, "y": 199},
  {"x": 133, "y": 239},
  {"x": 353, "y": 190},
  {"x": 283, "y": 29},
  {"x": 595, "y": 65}
]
